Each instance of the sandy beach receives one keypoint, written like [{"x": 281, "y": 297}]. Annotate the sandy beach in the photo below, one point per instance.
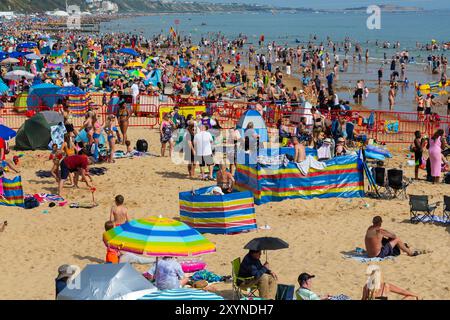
[{"x": 318, "y": 231}]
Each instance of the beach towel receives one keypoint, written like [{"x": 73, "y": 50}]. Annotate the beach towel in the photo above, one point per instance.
[
  {"x": 57, "y": 135},
  {"x": 310, "y": 162},
  {"x": 278, "y": 160},
  {"x": 340, "y": 297},
  {"x": 12, "y": 192},
  {"x": 206, "y": 275},
  {"x": 433, "y": 219},
  {"x": 363, "y": 257},
  {"x": 82, "y": 205}
]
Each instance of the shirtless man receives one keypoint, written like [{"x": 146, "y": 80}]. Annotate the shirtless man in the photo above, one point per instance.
[
  {"x": 225, "y": 179},
  {"x": 119, "y": 213},
  {"x": 381, "y": 243}
]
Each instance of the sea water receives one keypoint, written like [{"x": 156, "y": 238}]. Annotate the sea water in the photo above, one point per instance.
[{"x": 290, "y": 28}]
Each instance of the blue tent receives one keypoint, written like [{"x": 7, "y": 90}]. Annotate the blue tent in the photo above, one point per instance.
[
  {"x": 129, "y": 51},
  {"x": 153, "y": 77},
  {"x": 44, "y": 94},
  {"x": 258, "y": 124}
]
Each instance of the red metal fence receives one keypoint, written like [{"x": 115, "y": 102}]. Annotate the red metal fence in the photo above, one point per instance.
[{"x": 384, "y": 126}]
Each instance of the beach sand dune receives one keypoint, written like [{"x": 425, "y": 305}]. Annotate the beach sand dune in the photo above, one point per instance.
[{"x": 318, "y": 231}]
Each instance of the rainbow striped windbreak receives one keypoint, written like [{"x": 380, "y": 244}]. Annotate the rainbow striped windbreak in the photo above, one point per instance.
[
  {"x": 343, "y": 178},
  {"x": 12, "y": 192},
  {"x": 158, "y": 237},
  {"x": 218, "y": 214}
]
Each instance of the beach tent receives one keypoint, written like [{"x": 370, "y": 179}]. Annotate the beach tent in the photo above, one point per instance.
[
  {"x": 20, "y": 105},
  {"x": 341, "y": 178},
  {"x": 218, "y": 214},
  {"x": 35, "y": 133},
  {"x": 44, "y": 94},
  {"x": 106, "y": 282},
  {"x": 258, "y": 122}
]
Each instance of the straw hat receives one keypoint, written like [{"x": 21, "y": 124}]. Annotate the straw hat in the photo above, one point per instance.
[{"x": 374, "y": 277}]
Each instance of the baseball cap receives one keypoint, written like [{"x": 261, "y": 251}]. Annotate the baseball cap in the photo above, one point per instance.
[{"x": 302, "y": 278}]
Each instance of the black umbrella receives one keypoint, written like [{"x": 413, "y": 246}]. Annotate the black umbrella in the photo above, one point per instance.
[{"x": 266, "y": 243}]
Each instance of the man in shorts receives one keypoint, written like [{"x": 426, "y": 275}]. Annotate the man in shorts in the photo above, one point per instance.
[
  {"x": 381, "y": 243},
  {"x": 203, "y": 151},
  {"x": 77, "y": 164}
]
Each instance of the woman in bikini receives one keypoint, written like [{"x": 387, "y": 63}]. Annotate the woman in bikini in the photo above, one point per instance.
[
  {"x": 376, "y": 289},
  {"x": 123, "y": 115}
]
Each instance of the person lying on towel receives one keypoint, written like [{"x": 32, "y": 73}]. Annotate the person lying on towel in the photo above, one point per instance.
[{"x": 382, "y": 243}]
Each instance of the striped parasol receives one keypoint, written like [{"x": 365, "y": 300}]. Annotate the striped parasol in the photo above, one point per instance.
[
  {"x": 158, "y": 237},
  {"x": 181, "y": 294}
]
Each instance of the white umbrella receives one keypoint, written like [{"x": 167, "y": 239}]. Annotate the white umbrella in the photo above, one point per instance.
[
  {"x": 18, "y": 74},
  {"x": 10, "y": 61},
  {"x": 32, "y": 56}
]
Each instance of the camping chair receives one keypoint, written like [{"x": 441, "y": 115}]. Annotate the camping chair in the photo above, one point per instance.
[
  {"x": 396, "y": 185},
  {"x": 379, "y": 174},
  {"x": 238, "y": 293},
  {"x": 446, "y": 212},
  {"x": 285, "y": 292},
  {"x": 419, "y": 204}
]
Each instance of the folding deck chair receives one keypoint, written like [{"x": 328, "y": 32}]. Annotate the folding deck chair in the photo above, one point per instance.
[
  {"x": 396, "y": 184},
  {"x": 420, "y": 209},
  {"x": 238, "y": 293},
  {"x": 446, "y": 212}
]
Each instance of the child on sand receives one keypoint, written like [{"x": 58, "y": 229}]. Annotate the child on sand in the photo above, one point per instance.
[
  {"x": 112, "y": 255},
  {"x": 56, "y": 156},
  {"x": 119, "y": 213}
]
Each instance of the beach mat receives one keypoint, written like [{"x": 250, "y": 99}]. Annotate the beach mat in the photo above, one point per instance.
[
  {"x": 433, "y": 219},
  {"x": 82, "y": 205},
  {"x": 43, "y": 174},
  {"x": 98, "y": 171},
  {"x": 12, "y": 192},
  {"x": 363, "y": 257}
]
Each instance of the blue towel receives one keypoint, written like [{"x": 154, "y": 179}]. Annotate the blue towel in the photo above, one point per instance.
[
  {"x": 434, "y": 218},
  {"x": 363, "y": 258}
]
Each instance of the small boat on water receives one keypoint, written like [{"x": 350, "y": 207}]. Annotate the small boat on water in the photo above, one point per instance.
[{"x": 203, "y": 23}]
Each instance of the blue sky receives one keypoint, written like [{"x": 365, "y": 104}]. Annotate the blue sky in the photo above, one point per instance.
[{"x": 336, "y": 4}]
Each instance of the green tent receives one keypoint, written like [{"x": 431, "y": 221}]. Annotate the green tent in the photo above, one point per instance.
[{"x": 34, "y": 134}]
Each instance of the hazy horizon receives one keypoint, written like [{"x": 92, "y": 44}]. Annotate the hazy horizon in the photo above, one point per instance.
[{"x": 342, "y": 4}]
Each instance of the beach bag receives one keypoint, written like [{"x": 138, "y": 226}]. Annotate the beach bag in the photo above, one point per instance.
[
  {"x": 285, "y": 292},
  {"x": 141, "y": 145},
  {"x": 30, "y": 203}
]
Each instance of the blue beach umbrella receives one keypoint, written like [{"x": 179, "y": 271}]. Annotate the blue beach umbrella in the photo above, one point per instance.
[
  {"x": 3, "y": 55},
  {"x": 17, "y": 54},
  {"x": 7, "y": 133},
  {"x": 129, "y": 51},
  {"x": 72, "y": 91},
  {"x": 181, "y": 294}
]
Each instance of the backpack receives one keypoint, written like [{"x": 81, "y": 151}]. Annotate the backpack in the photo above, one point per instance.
[{"x": 141, "y": 145}]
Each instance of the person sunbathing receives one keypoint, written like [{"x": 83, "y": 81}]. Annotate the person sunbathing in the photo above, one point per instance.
[
  {"x": 381, "y": 243},
  {"x": 376, "y": 289}
]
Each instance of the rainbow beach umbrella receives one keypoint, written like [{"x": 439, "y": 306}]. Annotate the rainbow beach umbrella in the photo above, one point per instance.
[{"x": 158, "y": 237}]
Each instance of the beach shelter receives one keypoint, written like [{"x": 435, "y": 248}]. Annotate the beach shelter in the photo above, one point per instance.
[
  {"x": 158, "y": 237},
  {"x": 12, "y": 192},
  {"x": 181, "y": 294},
  {"x": 7, "y": 133},
  {"x": 44, "y": 94},
  {"x": 77, "y": 100},
  {"x": 218, "y": 214},
  {"x": 258, "y": 122},
  {"x": 107, "y": 282},
  {"x": 34, "y": 133}
]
